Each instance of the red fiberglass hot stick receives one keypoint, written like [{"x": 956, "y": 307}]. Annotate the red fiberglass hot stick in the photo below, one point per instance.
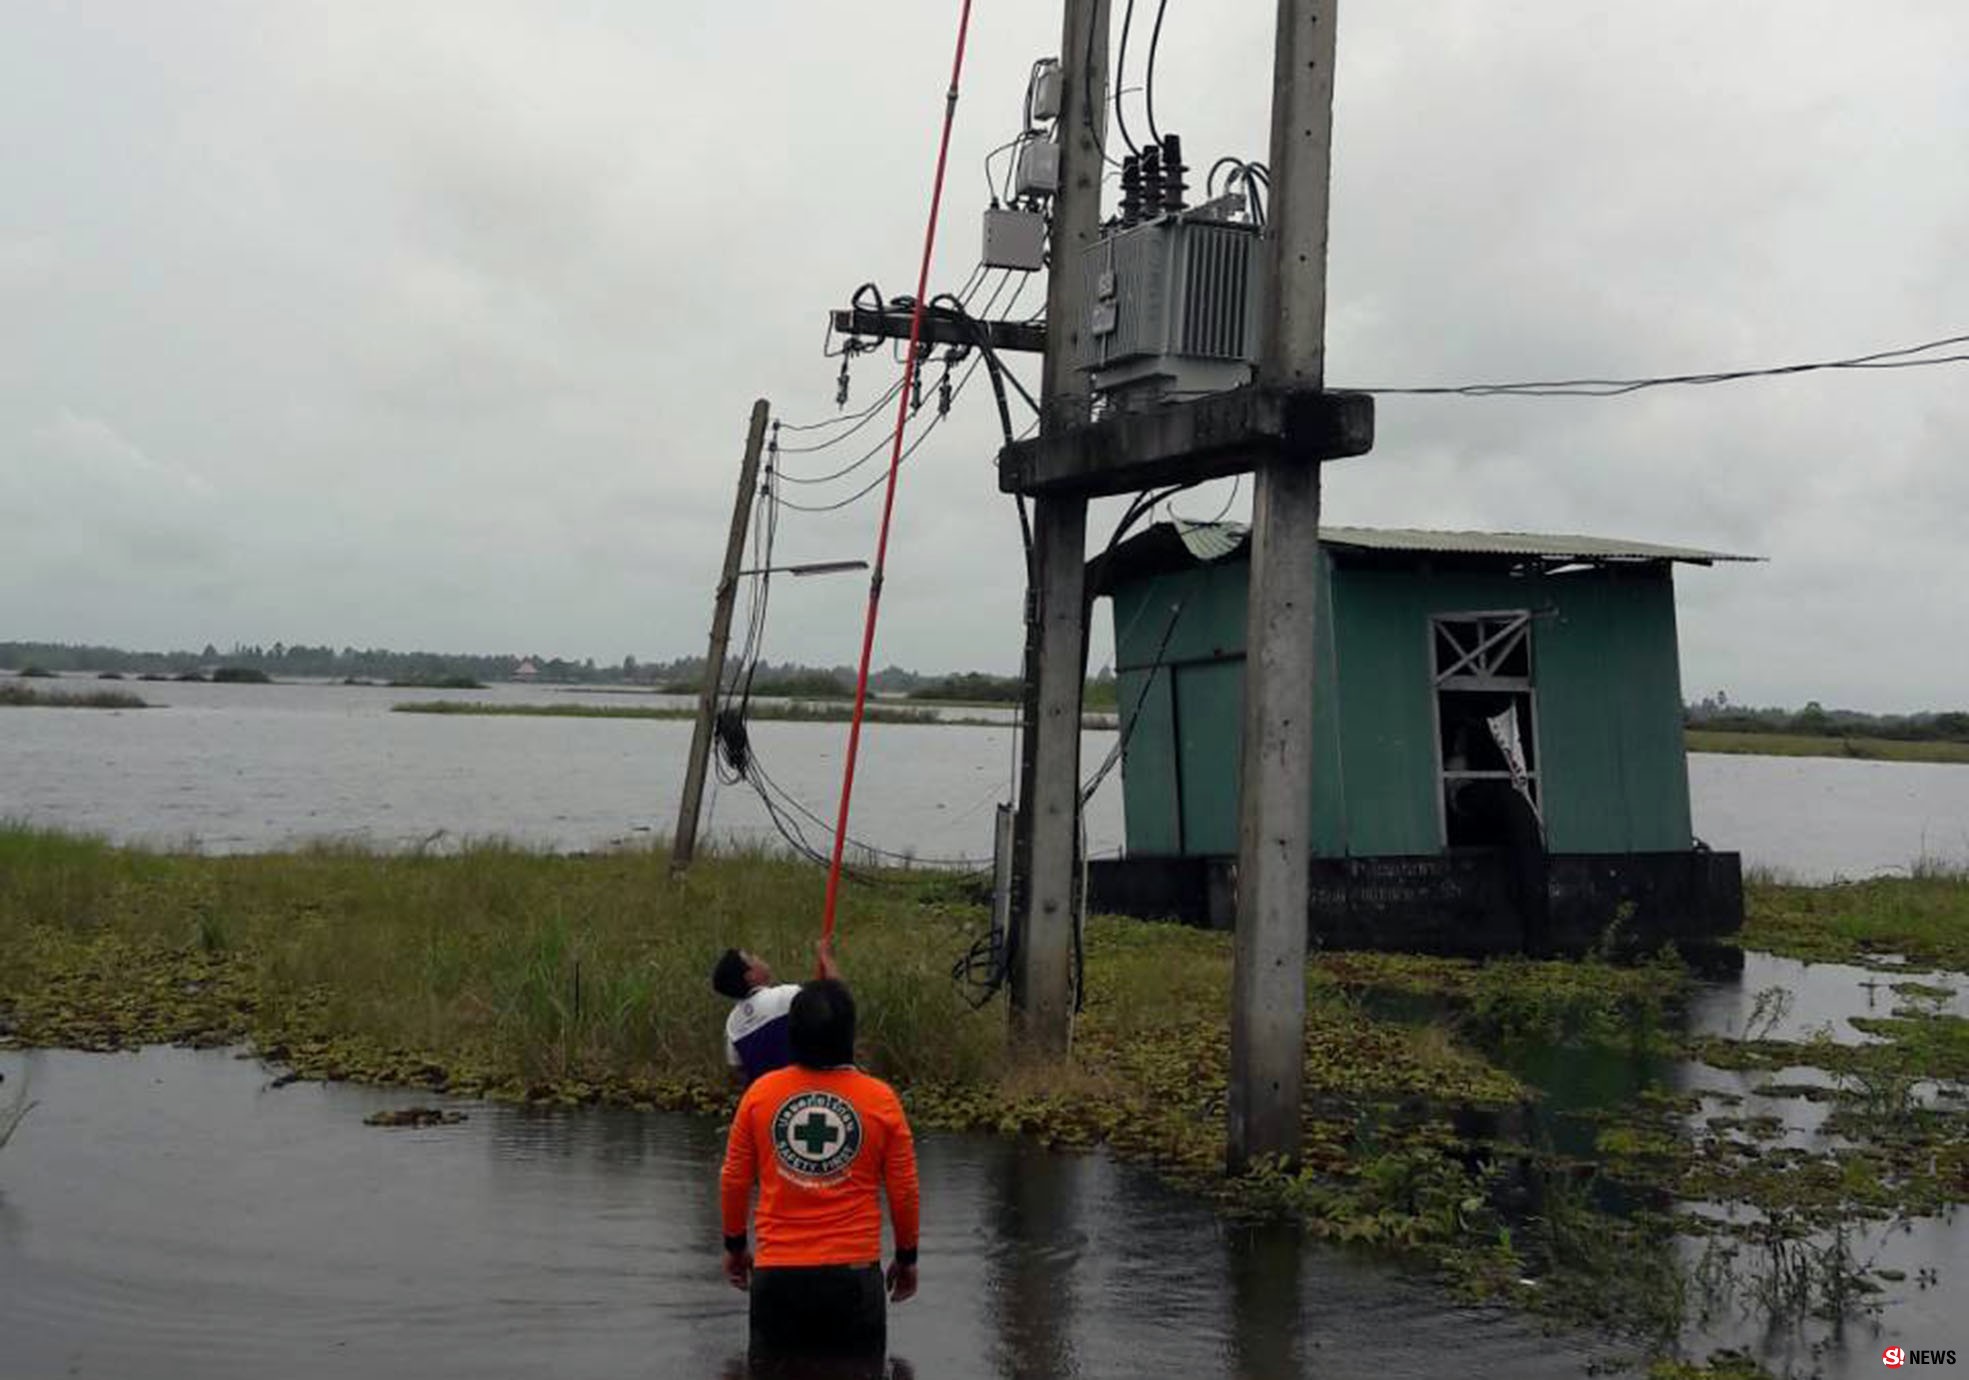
[{"x": 895, "y": 462}]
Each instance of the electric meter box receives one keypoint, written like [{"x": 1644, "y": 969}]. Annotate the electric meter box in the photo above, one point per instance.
[
  {"x": 1037, "y": 172},
  {"x": 1014, "y": 239},
  {"x": 1175, "y": 308},
  {"x": 1047, "y": 93}
]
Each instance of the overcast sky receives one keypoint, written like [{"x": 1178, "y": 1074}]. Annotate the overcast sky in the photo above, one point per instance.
[{"x": 436, "y": 324}]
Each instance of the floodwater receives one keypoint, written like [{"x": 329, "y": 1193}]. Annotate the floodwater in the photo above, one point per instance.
[
  {"x": 1726, "y": 1308},
  {"x": 172, "y": 1214},
  {"x": 245, "y": 767},
  {"x": 168, "y": 1214}
]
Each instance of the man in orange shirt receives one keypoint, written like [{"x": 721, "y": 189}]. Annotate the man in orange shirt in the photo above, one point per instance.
[{"x": 822, "y": 1140}]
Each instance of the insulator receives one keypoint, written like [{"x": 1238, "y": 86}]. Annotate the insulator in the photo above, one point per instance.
[
  {"x": 916, "y": 392},
  {"x": 1173, "y": 169},
  {"x": 841, "y": 384},
  {"x": 943, "y": 394},
  {"x": 1131, "y": 190},
  {"x": 1151, "y": 181}
]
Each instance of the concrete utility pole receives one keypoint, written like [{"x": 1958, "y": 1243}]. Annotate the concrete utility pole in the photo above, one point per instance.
[
  {"x": 1056, "y": 624},
  {"x": 1268, "y": 1005},
  {"x": 685, "y": 845}
]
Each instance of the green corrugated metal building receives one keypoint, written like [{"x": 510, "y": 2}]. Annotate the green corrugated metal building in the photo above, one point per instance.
[{"x": 1433, "y": 650}]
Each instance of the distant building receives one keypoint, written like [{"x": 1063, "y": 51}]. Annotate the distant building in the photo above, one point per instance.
[
  {"x": 1498, "y": 755},
  {"x": 526, "y": 670}
]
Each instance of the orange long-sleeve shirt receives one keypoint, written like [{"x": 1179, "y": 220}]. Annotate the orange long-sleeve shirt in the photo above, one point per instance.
[{"x": 822, "y": 1144}]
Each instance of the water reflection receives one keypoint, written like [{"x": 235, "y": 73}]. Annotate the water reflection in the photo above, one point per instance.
[
  {"x": 1033, "y": 1257},
  {"x": 1818, "y": 996},
  {"x": 749, "y": 1367},
  {"x": 1264, "y": 1266}
]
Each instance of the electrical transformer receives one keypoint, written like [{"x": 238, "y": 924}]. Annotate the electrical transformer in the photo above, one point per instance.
[{"x": 1175, "y": 307}]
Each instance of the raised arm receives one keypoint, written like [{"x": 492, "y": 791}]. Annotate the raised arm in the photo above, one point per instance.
[{"x": 824, "y": 951}]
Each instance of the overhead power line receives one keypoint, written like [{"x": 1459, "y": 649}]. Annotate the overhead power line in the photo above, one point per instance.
[
  {"x": 1148, "y": 82},
  {"x": 978, "y": 359},
  {"x": 1120, "y": 75},
  {"x": 853, "y": 422},
  {"x": 1902, "y": 357}
]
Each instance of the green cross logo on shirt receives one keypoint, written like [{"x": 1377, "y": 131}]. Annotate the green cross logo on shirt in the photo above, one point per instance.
[{"x": 816, "y": 1135}]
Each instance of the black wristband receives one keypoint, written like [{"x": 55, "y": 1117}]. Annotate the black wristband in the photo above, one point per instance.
[
  {"x": 905, "y": 1255},
  {"x": 735, "y": 1244}
]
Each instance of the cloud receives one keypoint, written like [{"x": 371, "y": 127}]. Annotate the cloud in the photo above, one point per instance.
[
  {"x": 438, "y": 324},
  {"x": 108, "y": 456},
  {"x": 25, "y": 262}
]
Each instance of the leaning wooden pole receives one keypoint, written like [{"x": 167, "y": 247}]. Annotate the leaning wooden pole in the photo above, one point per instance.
[{"x": 684, "y": 847}]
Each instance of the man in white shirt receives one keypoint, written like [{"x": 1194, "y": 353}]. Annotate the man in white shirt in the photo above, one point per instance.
[{"x": 755, "y": 1032}]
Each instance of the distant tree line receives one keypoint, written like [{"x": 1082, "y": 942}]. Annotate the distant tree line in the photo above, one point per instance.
[
  {"x": 974, "y": 687},
  {"x": 298, "y": 660},
  {"x": 1716, "y": 712},
  {"x": 283, "y": 660}
]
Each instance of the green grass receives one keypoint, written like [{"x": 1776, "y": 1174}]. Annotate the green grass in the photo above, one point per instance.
[
  {"x": 1923, "y": 917},
  {"x": 16, "y": 695},
  {"x": 511, "y": 967},
  {"x": 1806, "y": 745},
  {"x": 521, "y": 966}
]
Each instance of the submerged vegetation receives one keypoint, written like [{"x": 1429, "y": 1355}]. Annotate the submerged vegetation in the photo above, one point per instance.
[
  {"x": 791, "y": 713},
  {"x": 17, "y": 696},
  {"x": 1738, "y": 743},
  {"x": 431, "y": 683},
  {"x": 1511, "y": 1123},
  {"x": 760, "y": 711},
  {"x": 1922, "y": 918}
]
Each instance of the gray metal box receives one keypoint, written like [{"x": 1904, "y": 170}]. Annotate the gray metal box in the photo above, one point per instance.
[
  {"x": 1175, "y": 307},
  {"x": 1014, "y": 239},
  {"x": 1037, "y": 171}
]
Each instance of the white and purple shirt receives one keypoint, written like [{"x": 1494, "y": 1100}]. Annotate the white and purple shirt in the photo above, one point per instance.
[{"x": 755, "y": 1032}]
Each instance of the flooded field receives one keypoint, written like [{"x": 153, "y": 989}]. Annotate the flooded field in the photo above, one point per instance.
[{"x": 174, "y": 1214}]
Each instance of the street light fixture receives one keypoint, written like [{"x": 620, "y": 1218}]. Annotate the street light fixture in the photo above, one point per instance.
[{"x": 814, "y": 568}]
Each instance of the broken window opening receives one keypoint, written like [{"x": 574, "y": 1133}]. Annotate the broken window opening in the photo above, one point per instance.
[{"x": 1487, "y": 744}]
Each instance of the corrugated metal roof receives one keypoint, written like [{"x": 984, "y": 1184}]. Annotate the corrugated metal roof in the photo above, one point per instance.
[{"x": 1210, "y": 541}]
